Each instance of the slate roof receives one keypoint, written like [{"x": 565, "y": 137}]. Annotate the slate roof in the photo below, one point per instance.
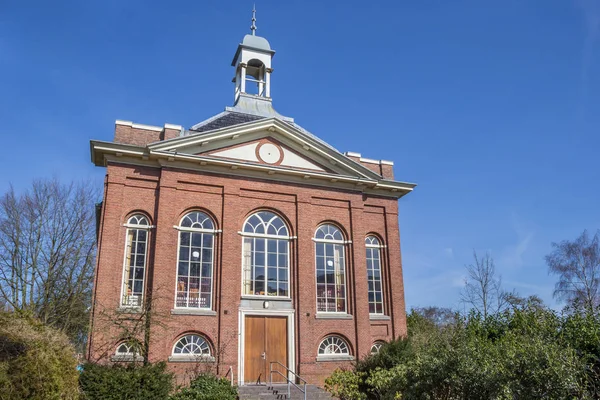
[
  {"x": 230, "y": 118},
  {"x": 224, "y": 120}
]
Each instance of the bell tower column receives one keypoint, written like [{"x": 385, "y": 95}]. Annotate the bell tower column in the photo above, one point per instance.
[{"x": 268, "y": 82}]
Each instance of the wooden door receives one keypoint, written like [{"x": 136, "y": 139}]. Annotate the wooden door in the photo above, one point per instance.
[{"x": 265, "y": 341}]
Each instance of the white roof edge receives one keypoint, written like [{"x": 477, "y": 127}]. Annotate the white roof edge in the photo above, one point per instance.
[
  {"x": 369, "y": 160},
  {"x": 351, "y": 154},
  {"x": 173, "y": 126},
  {"x": 139, "y": 126},
  {"x": 386, "y": 162}
]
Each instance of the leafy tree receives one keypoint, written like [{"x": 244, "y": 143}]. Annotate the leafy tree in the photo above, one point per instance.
[
  {"x": 47, "y": 249},
  {"x": 577, "y": 264},
  {"x": 36, "y": 362}
]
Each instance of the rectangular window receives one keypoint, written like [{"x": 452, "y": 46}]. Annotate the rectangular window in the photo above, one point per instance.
[
  {"x": 265, "y": 266},
  {"x": 331, "y": 277},
  {"x": 374, "y": 280},
  {"x": 194, "y": 270},
  {"x": 134, "y": 268}
]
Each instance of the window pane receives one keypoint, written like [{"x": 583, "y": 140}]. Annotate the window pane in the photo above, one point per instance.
[
  {"x": 259, "y": 259},
  {"x": 196, "y": 239},
  {"x": 283, "y": 289},
  {"x": 185, "y": 238}
]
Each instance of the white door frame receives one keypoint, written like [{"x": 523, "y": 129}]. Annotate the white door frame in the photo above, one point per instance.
[{"x": 289, "y": 314}]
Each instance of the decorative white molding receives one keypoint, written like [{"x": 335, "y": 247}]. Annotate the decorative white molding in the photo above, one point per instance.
[
  {"x": 140, "y": 126},
  {"x": 192, "y": 358},
  {"x": 334, "y": 357},
  {"x": 192, "y": 311},
  {"x": 172, "y": 126},
  {"x": 352, "y": 154},
  {"x": 379, "y": 317},
  {"x": 323, "y": 315},
  {"x": 289, "y": 314},
  {"x": 369, "y": 160},
  {"x": 386, "y": 162}
]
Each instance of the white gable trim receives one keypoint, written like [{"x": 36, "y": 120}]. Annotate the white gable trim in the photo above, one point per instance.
[{"x": 272, "y": 125}]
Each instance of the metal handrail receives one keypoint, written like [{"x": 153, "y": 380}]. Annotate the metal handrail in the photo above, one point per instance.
[
  {"x": 289, "y": 382},
  {"x": 230, "y": 371}
]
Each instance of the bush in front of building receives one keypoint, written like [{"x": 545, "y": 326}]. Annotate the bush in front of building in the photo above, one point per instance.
[
  {"x": 207, "y": 387},
  {"x": 132, "y": 382},
  {"x": 529, "y": 352},
  {"x": 36, "y": 362}
]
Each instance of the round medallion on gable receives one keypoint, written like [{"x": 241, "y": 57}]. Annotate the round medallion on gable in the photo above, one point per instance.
[{"x": 269, "y": 153}]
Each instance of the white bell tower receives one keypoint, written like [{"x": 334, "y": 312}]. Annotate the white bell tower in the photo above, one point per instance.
[{"x": 252, "y": 62}]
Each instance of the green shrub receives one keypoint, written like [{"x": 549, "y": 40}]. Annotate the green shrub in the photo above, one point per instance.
[
  {"x": 525, "y": 353},
  {"x": 128, "y": 382},
  {"x": 207, "y": 387},
  {"x": 344, "y": 384},
  {"x": 36, "y": 361}
]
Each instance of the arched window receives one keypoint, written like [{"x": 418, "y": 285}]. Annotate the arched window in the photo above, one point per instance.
[
  {"x": 191, "y": 345},
  {"x": 374, "y": 275},
  {"x": 331, "y": 269},
  {"x": 124, "y": 350},
  {"x": 134, "y": 268},
  {"x": 376, "y": 347},
  {"x": 127, "y": 351},
  {"x": 195, "y": 261},
  {"x": 265, "y": 255},
  {"x": 334, "y": 346}
]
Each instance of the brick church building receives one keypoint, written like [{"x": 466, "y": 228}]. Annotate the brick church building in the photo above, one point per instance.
[{"x": 257, "y": 241}]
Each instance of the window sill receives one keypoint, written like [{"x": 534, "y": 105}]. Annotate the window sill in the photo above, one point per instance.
[
  {"x": 265, "y": 297},
  {"x": 129, "y": 310},
  {"x": 379, "y": 317},
  {"x": 191, "y": 311},
  {"x": 323, "y": 315},
  {"x": 125, "y": 358},
  {"x": 335, "y": 358},
  {"x": 194, "y": 359}
]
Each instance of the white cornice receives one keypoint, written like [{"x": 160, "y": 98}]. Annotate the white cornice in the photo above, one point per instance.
[
  {"x": 139, "y": 126},
  {"x": 369, "y": 160},
  {"x": 352, "y": 154}
]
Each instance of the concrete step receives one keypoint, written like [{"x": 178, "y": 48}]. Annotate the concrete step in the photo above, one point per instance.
[{"x": 279, "y": 392}]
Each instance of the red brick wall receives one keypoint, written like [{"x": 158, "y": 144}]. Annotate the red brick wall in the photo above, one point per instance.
[{"x": 166, "y": 194}]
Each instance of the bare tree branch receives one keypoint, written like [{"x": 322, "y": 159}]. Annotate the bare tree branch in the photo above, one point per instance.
[
  {"x": 483, "y": 288},
  {"x": 47, "y": 247},
  {"x": 577, "y": 265}
]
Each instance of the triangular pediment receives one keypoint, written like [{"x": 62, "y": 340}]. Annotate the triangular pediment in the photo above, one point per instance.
[
  {"x": 266, "y": 151},
  {"x": 269, "y": 142}
]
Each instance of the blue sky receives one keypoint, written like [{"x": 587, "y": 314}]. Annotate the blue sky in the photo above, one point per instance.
[{"x": 492, "y": 107}]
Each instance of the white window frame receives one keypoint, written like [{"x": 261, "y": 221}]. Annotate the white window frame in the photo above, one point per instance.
[
  {"x": 129, "y": 351},
  {"x": 190, "y": 357},
  {"x": 249, "y": 242},
  {"x": 375, "y": 246},
  {"x": 126, "y": 300},
  {"x": 321, "y": 356},
  {"x": 338, "y": 244},
  {"x": 376, "y": 346},
  {"x": 203, "y": 231}
]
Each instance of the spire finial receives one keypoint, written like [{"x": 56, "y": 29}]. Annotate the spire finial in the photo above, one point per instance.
[{"x": 253, "y": 27}]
